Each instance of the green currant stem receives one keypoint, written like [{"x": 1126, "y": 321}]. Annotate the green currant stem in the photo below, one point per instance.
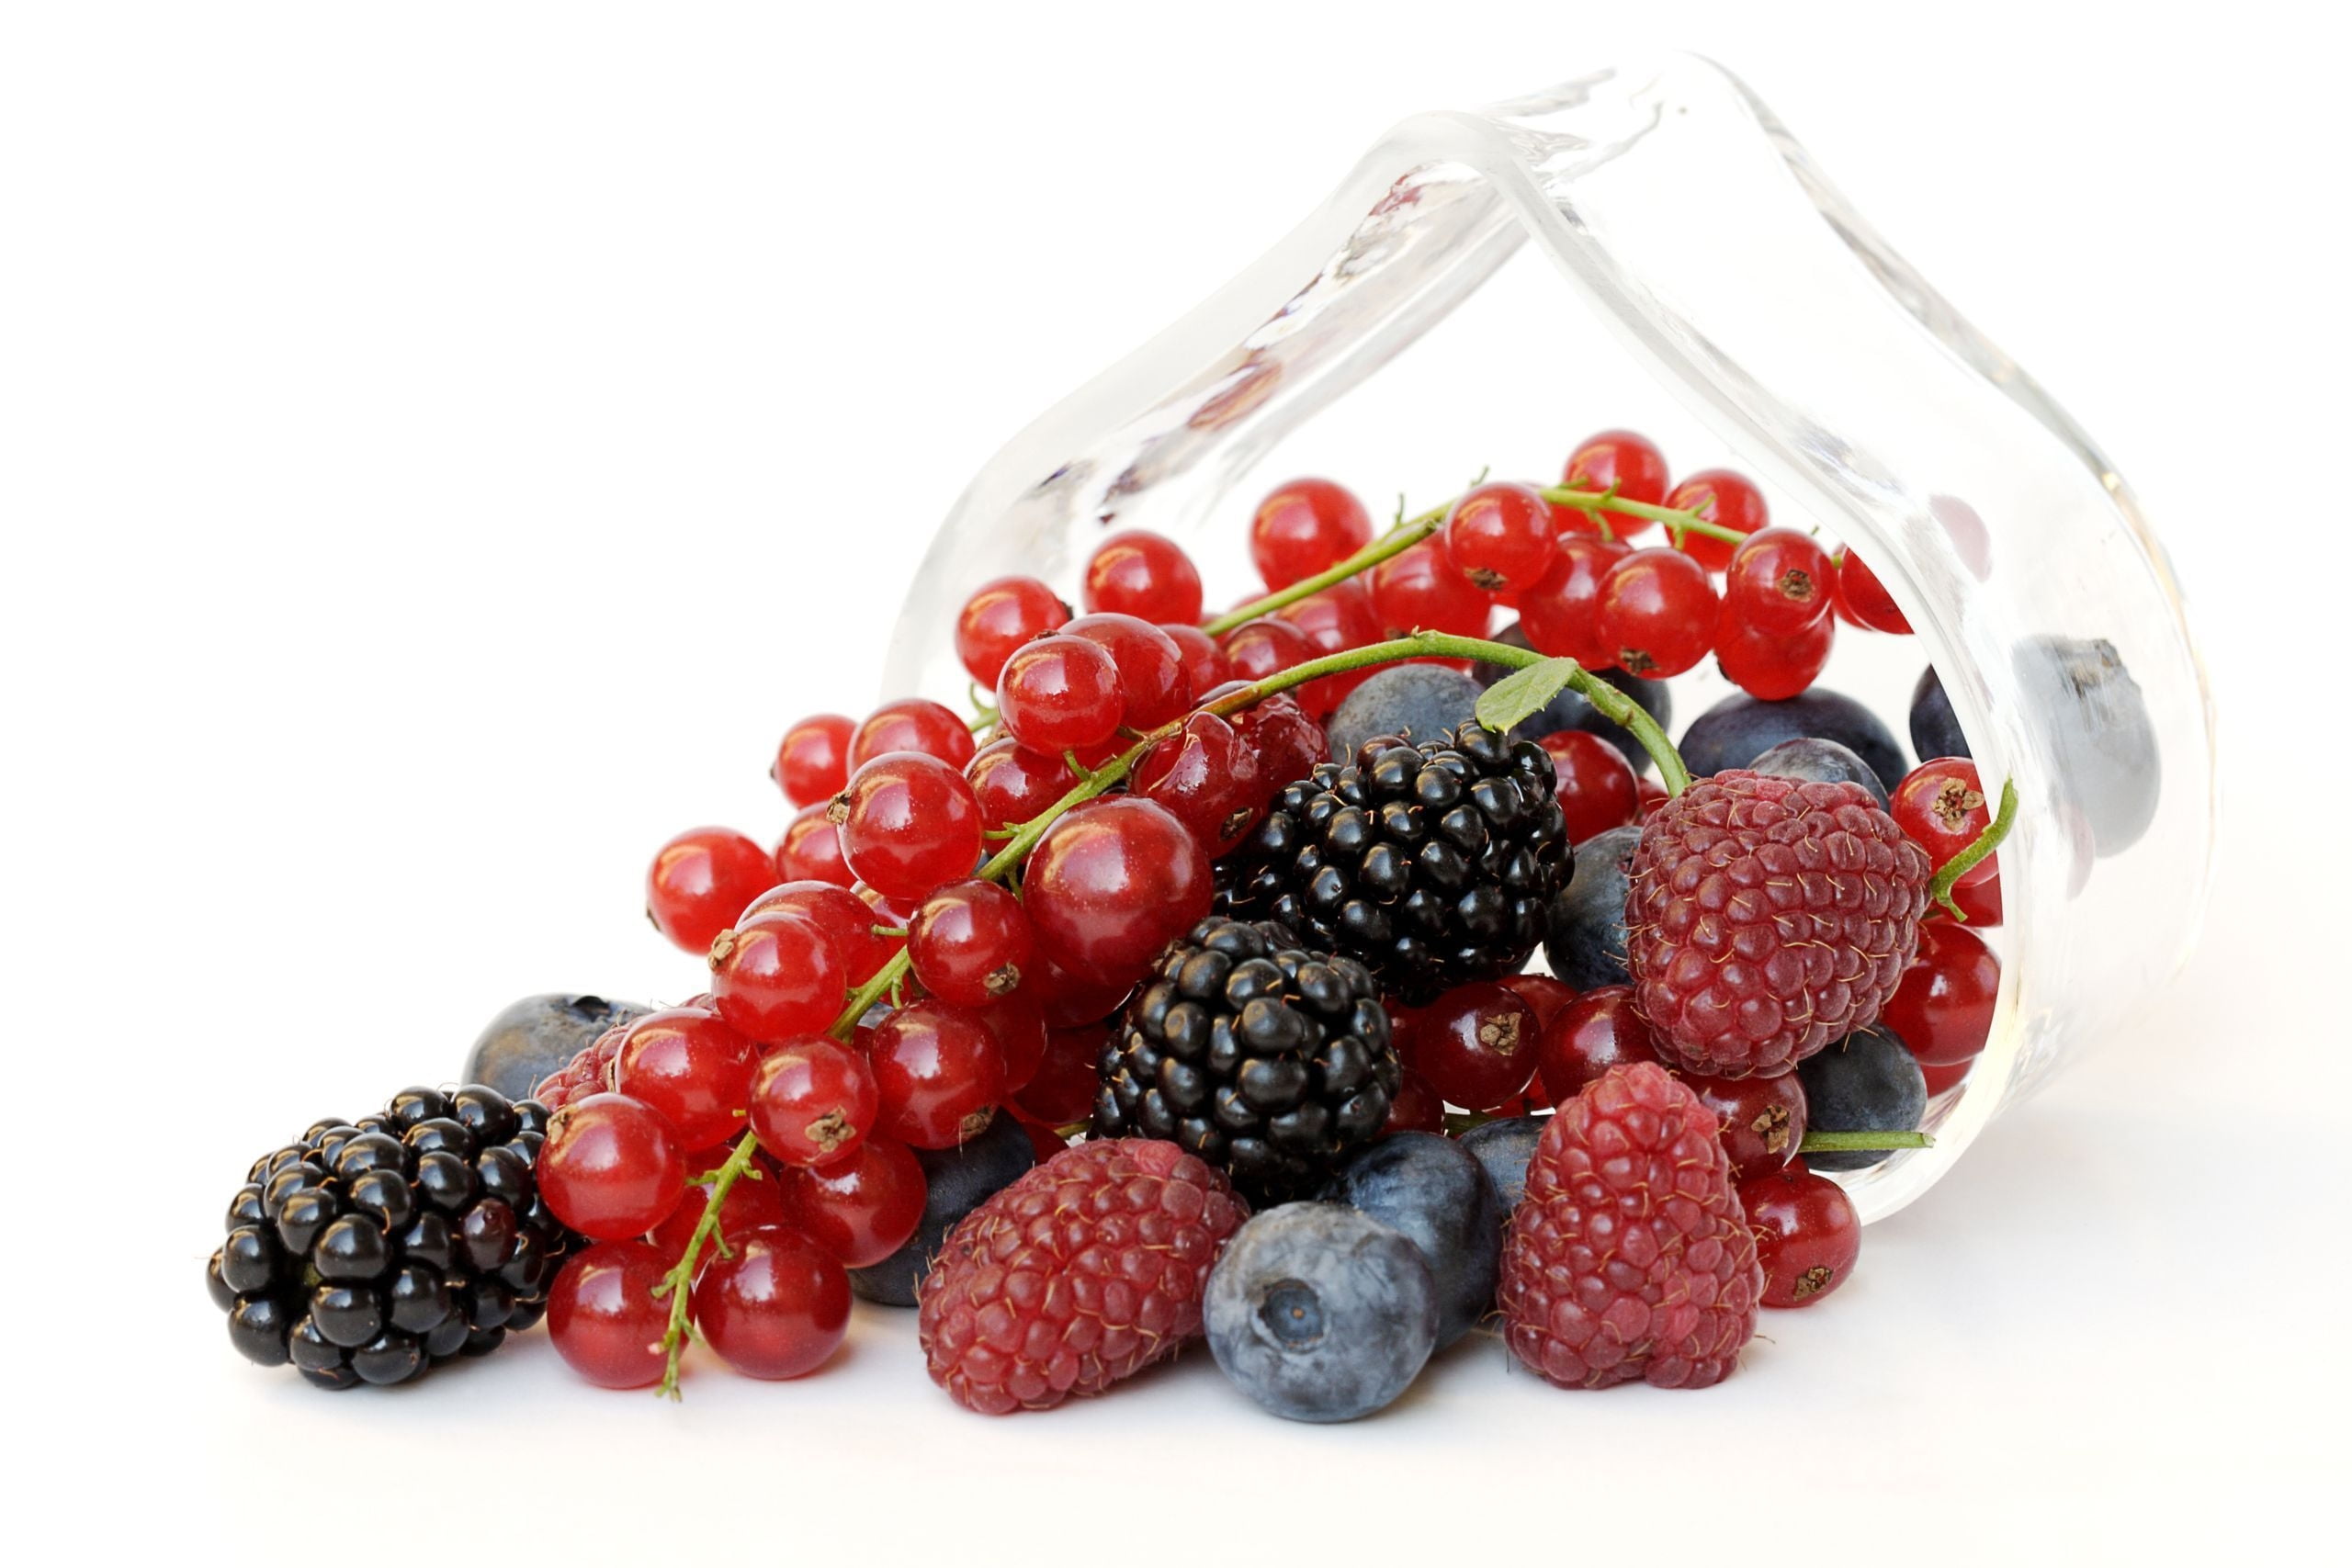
[
  {"x": 1984, "y": 843},
  {"x": 891, "y": 932},
  {"x": 1681, "y": 518},
  {"x": 1845, "y": 1142},
  {"x": 679, "y": 1282}
]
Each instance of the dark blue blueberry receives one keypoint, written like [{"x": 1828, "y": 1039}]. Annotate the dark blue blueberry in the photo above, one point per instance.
[
  {"x": 1868, "y": 1082},
  {"x": 1423, "y": 700},
  {"x": 1570, "y": 711},
  {"x": 538, "y": 1034},
  {"x": 1820, "y": 762},
  {"x": 1737, "y": 730},
  {"x": 2103, "y": 741},
  {"x": 1504, "y": 1147},
  {"x": 1935, "y": 729},
  {"x": 1320, "y": 1313},
  {"x": 1435, "y": 1192},
  {"x": 961, "y": 1180},
  {"x": 1584, "y": 925}
]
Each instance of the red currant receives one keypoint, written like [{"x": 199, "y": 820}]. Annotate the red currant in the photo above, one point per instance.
[
  {"x": 700, "y": 879},
  {"x": 812, "y": 762},
  {"x": 1142, "y": 574},
  {"x": 1595, "y": 1032},
  {"x": 1110, "y": 884},
  {"x": 1653, "y": 796},
  {"x": 691, "y": 1069},
  {"x": 1044, "y": 1141},
  {"x": 754, "y": 1199},
  {"x": 1014, "y": 784},
  {"x": 1979, "y": 903},
  {"x": 1593, "y": 780},
  {"x": 1339, "y": 618},
  {"x": 1763, "y": 1119},
  {"x": 1060, "y": 692},
  {"x": 968, "y": 941},
  {"x": 1561, "y": 613},
  {"x": 940, "y": 1073},
  {"x": 861, "y": 1209},
  {"x": 1307, "y": 527},
  {"x": 611, "y": 1168},
  {"x": 603, "y": 1317},
  {"x": 1018, "y": 1021},
  {"x": 999, "y": 618},
  {"x": 1942, "y": 1079},
  {"x": 1809, "y": 1234},
  {"x": 911, "y": 725},
  {"x": 777, "y": 1308},
  {"x": 777, "y": 975},
  {"x": 1415, "y": 1107},
  {"x": 1548, "y": 996},
  {"x": 1062, "y": 1088},
  {"x": 1780, "y": 582},
  {"x": 810, "y": 851},
  {"x": 1207, "y": 775},
  {"x": 1476, "y": 1046},
  {"x": 1614, "y": 457},
  {"x": 1865, "y": 599},
  {"x": 1724, "y": 498},
  {"x": 1205, "y": 662},
  {"x": 1657, "y": 613},
  {"x": 909, "y": 822},
  {"x": 813, "y": 1100},
  {"x": 1500, "y": 535},
  {"x": 1770, "y": 666},
  {"x": 1419, "y": 590},
  {"x": 1943, "y": 1008},
  {"x": 840, "y": 914},
  {"x": 1267, "y": 646},
  {"x": 1070, "y": 999},
  {"x": 1942, "y": 808},
  {"x": 1151, "y": 667},
  {"x": 1288, "y": 742}
]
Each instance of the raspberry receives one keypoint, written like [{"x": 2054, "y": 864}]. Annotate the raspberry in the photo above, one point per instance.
[
  {"x": 1090, "y": 1267},
  {"x": 1767, "y": 917},
  {"x": 1629, "y": 1256}
]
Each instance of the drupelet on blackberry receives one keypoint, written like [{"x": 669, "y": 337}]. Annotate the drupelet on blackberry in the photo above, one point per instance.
[
  {"x": 1258, "y": 1055},
  {"x": 371, "y": 1251},
  {"x": 1429, "y": 863}
]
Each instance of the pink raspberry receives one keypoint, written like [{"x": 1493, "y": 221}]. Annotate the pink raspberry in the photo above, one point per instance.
[{"x": 1630, "y": 1257}]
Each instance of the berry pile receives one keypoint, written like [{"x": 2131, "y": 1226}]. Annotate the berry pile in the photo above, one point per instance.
[{"x": 1026, "y": 1010}]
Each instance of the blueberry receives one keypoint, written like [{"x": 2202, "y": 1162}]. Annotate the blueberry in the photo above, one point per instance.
[
  {"x": 1935, "y": 729},
  {"x": 1435, "y": 1192},
  {"x": 1426, "y": 700},
  {"x": 2104, "y": 744},
  {"x": 1737, "y": 730},
  {"x": 961, "y": 1180},
  {"x": 1820, "y": 762},
  {"x": 1321, "y": 1312},
  {"x": 1504, "y": 1146},
  {"x": 538, "y": 1034},
  {"x": 1584, "y": 925},
  {"x": 1569, "y": 710},
  {"x": 1868, "y": 1082}
]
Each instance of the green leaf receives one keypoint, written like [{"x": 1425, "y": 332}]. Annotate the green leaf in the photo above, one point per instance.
[{"x": 1523, "y": 694}]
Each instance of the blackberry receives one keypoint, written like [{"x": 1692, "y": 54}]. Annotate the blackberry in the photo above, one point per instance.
[
  {"x": 372, "y": 1251},
  {"x": 1431, "y": 865},
  {"x": 1253, "y": 1052}
]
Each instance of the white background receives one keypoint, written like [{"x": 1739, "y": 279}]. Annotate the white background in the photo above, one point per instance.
[{"x": 441, "y": 446}]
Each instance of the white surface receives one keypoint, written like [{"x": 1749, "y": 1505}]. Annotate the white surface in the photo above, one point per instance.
[{"x": 441, "y": 448}]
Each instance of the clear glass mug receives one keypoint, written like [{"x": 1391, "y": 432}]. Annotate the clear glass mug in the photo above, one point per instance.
[{"x": 1692, "y": 229}]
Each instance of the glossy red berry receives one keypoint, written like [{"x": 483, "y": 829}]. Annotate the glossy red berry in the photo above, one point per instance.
[
  {"x": 1142, "y": 574},
  {"x": 1339, "y": 618},
  {"x": 1151, "y": 667},
  {"x": 1062, "y": 1088},
  {"x": 1724, "y": 498},
  {"x": 1207, "y": 775},
  {"x": 1018, "y": 1021},
  {"x": 1415, "y": 1107},
  {"x": 1595, "y": 1032},
  {"x": 1630, "y": 463},
  {"x": 1304, "y": 527},
  {"x": 939, "y": 1071},
  {"x": 1593, "y": 782},
  {"x": 911, "y": 724},
  {"x": 1980, "y": 904},
  {"x": 700, "y": 879},
  {"x": 1204, "y": 661},
  {"x": 860, "y": 1209},
  {"x": 777, "y": 975},
  {"x": 1943, "y": 1008},
  {"x": 611, "y": 1168},
  {"x": 1475, "y": 1044},
  {"x": 691, "y": 1069},
  {"x": 909, "y": 823},
  {"x": 777, "y": 1308},
  {"x": 1419, "y": 590},
  {"x": 604, "y": 1318},
  {"x": 1060, "y": 692},
  {"x": 840, "y": 914},
  {"x": 1014, "y": 784},
  {"x": 813, "y": 1100},
  {"x": 1780, "y": 582},
  {"x": 970, "y": 943},
  {"x": 1763, "y": 1119},
  {"x": 1500, "y": 535},
  {"x": 1938, "y": 1079},
  {"x": 1865, "y": 599},
  {"x": 999, "y": 617},
  {"x": 1771, "y": 666},
  {"x": 1288, "y": 741},
  {"x": 1069, "y": 999},
  {"x": 1656, "y": 612},
  {"x": 1110, "y": 884},
  {"x": 1267, "y": 646},
  {"x": 1561, "y": 613},
  {"x": 1549, "y": 996},
  {"x": 1941, "y": 808},
  {"x": 1807, "y": 1233},
  {"x": 810, "y": 851},
  {"x": 812, "y": 761},
  {"x": 751, "y": 1203}
]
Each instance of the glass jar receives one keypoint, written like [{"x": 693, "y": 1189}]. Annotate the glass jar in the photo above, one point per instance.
[{"x": 1682, "y": 221}]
